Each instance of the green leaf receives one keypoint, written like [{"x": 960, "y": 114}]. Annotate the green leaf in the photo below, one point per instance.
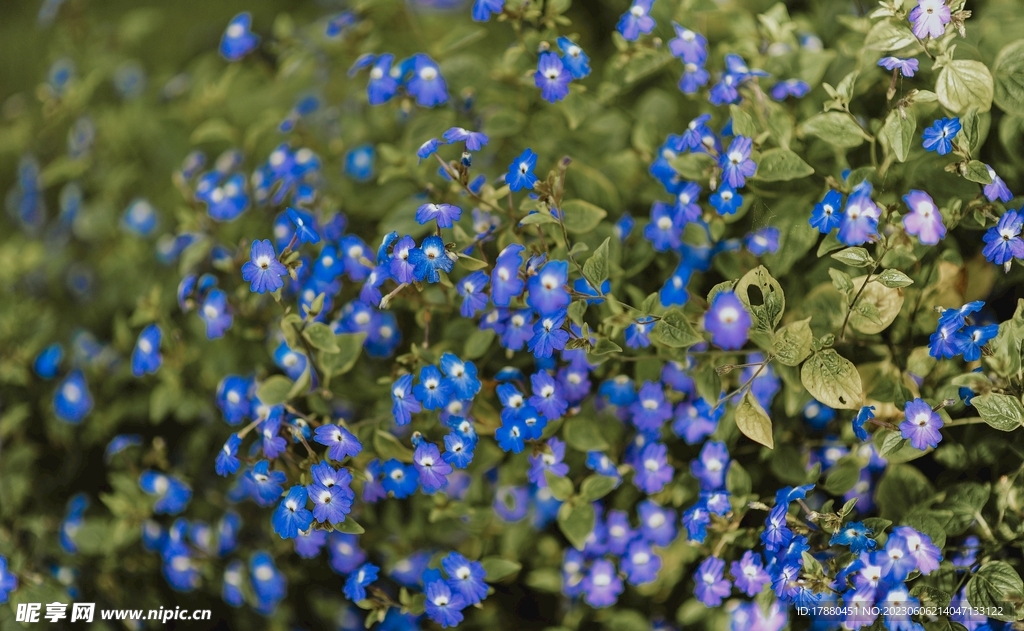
[
  {"x": 274, "y": 390},
  {"x": 898, "y": 132},
  {"x": 737, "y": 480},
  {"x": 561, "y": 486},
  {"x": 674, "y": 330},
  {"x": 900, "y": 489},
  {"x": 753, "y": 421},
  {"x": 793, "y": 343},
  {"x": 888, "y": 35},
  {"x": 1001, "y": 411},
  {"x": 997, "y": 588},
  {"x": 841, "y": 281},
  {"x": 833, "y": 380},
  {"x": 596, "y": 267},
  {"x": 693, "y": 166},
  {"x": 976, "y": 171},
  {"x": 894, "y": 278},
  {"x": 835, "y": 128},
  {"x": 596, "y": 486},
  {"x": 742, "y": 123},
  {"x": 581, "y": 217},
  {"x": 582, "y": 435},
  {"x": 478, "y": 342},
  {"x": 963, "y": 83},
  {"x": 576, "y": 522},
  {"x": 854, "y": 257},
  {"x": 762, "y": 295},
  {"x": 605, "y": 346},
  {"x": 1008, "y": 72},
  {"x": 471, "y": 263},
  {"x": 498, "y": 568},
  {"x": 388, "y": 447},
  {"x": 781, "y": 165},
  {"x": 539, "y": 217},
  {"x": 876, "y": 308},
  {"x": 321, "y": 337},
  {"x": 843, "y": 476},
  {"x": 350, "y": 345},
  {"x": 349, "y": 526}
]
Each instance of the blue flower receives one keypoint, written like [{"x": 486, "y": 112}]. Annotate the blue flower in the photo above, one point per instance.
[
  {"x": 471, "y": 289},
  {"x": 383, "y": 84},
  {"x": 725, "y": 200},
  {"x": 921, "y": 425},
  {"x": 306, "y": 227},
  {"x": 574, "y": 58},
  {"x": 636, "y": 20},
  {"x": 695, "y": 421},
  {"x": 749, "y": 574},
  {"x": 432, "y": 391},
  {"x": 652, "y": 469},
  {"x": 291, "y": 362},
  {"x": 1003, "y": 242},
  {"x": 710, "y": 468},
  {"x": 172, "y": 494},
  {"x": 997, "y": 189},
  {"x": 331, "y": 493},
  {"x": 906, "y": 67},
  {"x": 266, "y": 485},
  {"x": 975, "y": 338},
  {"x": 355, "y": 585},
  {"x": 430, "y": 259},
  {"x": 827, "y": 213},
  {"x": 776, "y": 534},
  {"x": 640, "y": 563},
  {"x": 47, "y": 362},
  {"x": 444, "y": 214},
  {"x": 341, "y": 443},
  {"x": 520, "y": 172},
  {"x": 548, "y": 335},
  {"x": 233, "y": 398},
  {"x": 547, "y": 288},
  {"x": 291, "y": 515},
  {"x": 427, "y": 85},
  {"x": 269, "y": 585},
  {"x": 338, "y": 23},
  {"x": 140, "y": 217},
  {"x": 227, "y": 458},
  {"x": 694, "y": 77},
  {"x": 402, "y": 480},
  {"x": 465, "y": 577},
  {"x": 475, "y": 140},
  {"x": 482, "y": 9},
  {"x": 359, "y": 163},
  {"x": 854, "y": 535},
  {"x": 146, "y": 357},
  {"x": 72, "y": 400},
  {"x": 427, "y": 149},
  {"x": 119, "y": 443},
  {"x": 736, "y": 163},
  {"x": 552, "y": 77},
  {"x": 433, "y": 470},
  {"x": 403, "y": 401},
  {"x": 238, "y": 41},
  {"x": 263, "y": 270},
  {"x": 763, "y": 241},
  {"x": 442, "y": 606},
  {"x": 505, "y": 281},
  {"x": 939, "y": 137},
  {"x": 602, "y": 585},
  {"x": 864, "y": 415}
]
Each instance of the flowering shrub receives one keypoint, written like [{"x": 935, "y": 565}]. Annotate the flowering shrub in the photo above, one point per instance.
[{"x": 519, "y": 314}]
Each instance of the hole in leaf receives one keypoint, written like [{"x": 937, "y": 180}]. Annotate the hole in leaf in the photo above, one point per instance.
[{"x": 754, "y": 296}]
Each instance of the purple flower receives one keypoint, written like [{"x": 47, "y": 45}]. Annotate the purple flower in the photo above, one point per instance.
[
  {"x": 550, "y": 460},
  {"x": 650, "y": 410},
  {"x": 749, "y": 574},
  {"x": 924, "y": 220},
  {"x": 695, "y": 421},
  {"x": 790, "y": 87},
  {"x": 602, "y": 584},
  {"x": 997, "y": 189},
  {"x": 712, "y": 587},
  {"x": 432, "y": 469},
  {"x": 263, "y": 270},
  {"x": 921, "y": 425},
  {"x": 552, "y": 77},
  {"x": 1003, "y": 242},
  {"x": 710, "y": 468},
  {"x": 690, "y": 46},
  {"x": 939, "y": 137},
  {"x": 652, "y": 469},
  {"x": 736, "y": 163},
  {"x": 907, "y": 67},
  {"x": 657, "y": 524},
  {"x": 929, "y": 18},
  {"x": 919, "y": 546},
  {"x": 693, "y": 78},
  {"x": 859, "y": 222},
  {"x": 547, "y": 396},
  {"x": 636, "y": 20},
  {"x": 728, "y": 321},
  {"x": 640, "y": 563}
]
